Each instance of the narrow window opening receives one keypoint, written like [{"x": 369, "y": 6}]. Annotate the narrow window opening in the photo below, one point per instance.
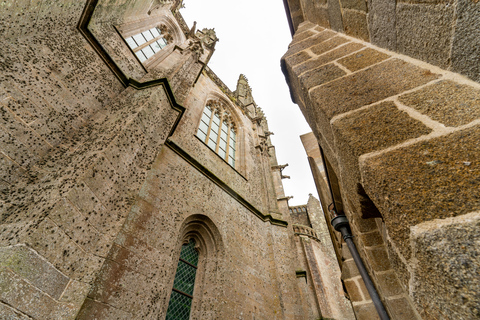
[{"x": 182, "y": 293}]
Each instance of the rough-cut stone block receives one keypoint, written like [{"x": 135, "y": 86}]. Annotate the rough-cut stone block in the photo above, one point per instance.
[
  {"x": 28, "y": 264},
  {"x": 349, "y": 269},
  {"x": 381, "y": 23},
  {"x": 298, "y": 58},
  {"x": 17, "y": 292},
  {"x": 378, "y": 258},
  {"x": 8, "y": 313},
  {"x": 353, "y": 290},
  {"x": 437, "y": 178},
  {"x": 388, "y": 284},
  {"x": 445, "y": 278},
  {"x": 366, "y": 311},
  {"x": 96, "y": 310},
  {"x": 328, "y": 56},
  {"x": 466, "y": 39},
  {"x": 363, "y": 59},
  {"x": 300, "y": 46},
  {"x": 373, "y": 238},
  {"x": 425, "y": 31},
  {"x": 335, "y": 15},
  {"x": 359, "y": 5},
  {"x": 446, "y": 102},
  {"x": 371, "y": 85},
  {"x": 299, "y": 36},
  {"x": 400, "y": 308},
  {"x": 320, "y": 76},
  {"x": 376, "y": 128},
  {"x": 355, "y": 24}
]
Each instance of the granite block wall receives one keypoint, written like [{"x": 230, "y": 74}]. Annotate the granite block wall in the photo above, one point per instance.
[
  {"x": 401, "y": 137},
  {"x": 444, "y": 33}
]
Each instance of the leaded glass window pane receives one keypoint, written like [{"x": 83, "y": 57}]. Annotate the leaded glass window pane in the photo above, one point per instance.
[
  {"x": 181, "y": 298},
  {"x": 231, "y": 161},
  {"x": 179, "y": 307}
]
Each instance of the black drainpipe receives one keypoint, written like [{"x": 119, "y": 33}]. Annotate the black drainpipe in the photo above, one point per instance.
[{"x": 340, "y": 223}]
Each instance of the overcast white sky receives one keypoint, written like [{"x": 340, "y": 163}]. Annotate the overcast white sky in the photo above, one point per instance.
[{"x": 254, "y": 34}]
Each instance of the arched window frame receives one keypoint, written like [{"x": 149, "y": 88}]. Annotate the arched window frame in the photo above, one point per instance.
[
  {"x": 181, "y": 298},
  {"x": 210, "y": 248},
  {"x": 170, "y": 30},
  {"x": 211, "y": 130}
]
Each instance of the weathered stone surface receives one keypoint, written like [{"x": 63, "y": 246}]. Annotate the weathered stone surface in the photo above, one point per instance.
[
  {"x": 363, "y": 59},
  {"x": 28, "y": 264},
  {"x": 439, "y": 180},
  {"x": 335, "y": 15},
  {"x": 446, "y": 102},
  {"x": 355, "y": 24},
  {"x": 388, "y": 283},
  {"x": 328, "y": 45},
  {"x": 376, "y": 128},
  {"x": 372, "y": 238},
  {"x": 327, "y": 55},
  {"x": 320, "y": 76},
  {"x": 299, "y": 36},
  {"x": 8, "y": 313},
  {"x": 298, "y": 58},
  {"x": 353, "y": 291},
  {"x": 302, "y": 45},
  {"x": 381, "y": 23},
  {"x": 359, "y": 5},
  {"x": 349, "y": 269},
  {"x": 371, "y": 85},
  {"x": 378, "y": 258},
  {"x": 425, "y": 32},
  {"x": 400, "y": 308},
  {"x": 466, "y": 43},
  {"x": 366, "y": 311},
  {"x": 445, "y": 279}
]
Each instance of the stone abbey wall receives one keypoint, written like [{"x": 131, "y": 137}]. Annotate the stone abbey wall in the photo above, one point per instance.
[
  {"x": 400, "y": 140},
  {"x": 102, "y": 177}
]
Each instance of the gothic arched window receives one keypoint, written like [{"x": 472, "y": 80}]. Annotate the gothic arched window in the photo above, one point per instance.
[
  {"x": 217, "y": 130},
  {"x": 182, "y": 292},
  {"x": 147, "y": 43}
]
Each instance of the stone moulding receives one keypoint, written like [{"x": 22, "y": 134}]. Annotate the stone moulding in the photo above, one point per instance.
[
  {"x": 207, "y": 173},
  {"x": 305, "y": 231}
]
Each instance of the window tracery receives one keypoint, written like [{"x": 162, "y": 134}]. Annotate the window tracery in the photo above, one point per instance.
[{"x": 217, "y": 130}]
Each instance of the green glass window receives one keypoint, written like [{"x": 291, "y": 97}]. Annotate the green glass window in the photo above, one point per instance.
[
  {"x": 182, "y": 292},
  {"x": 218, "y": 132}
]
